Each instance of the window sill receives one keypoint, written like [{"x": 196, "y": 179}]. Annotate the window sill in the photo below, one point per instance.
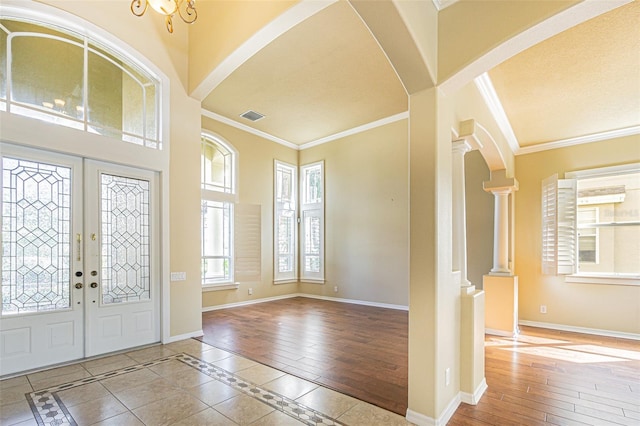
[
  {"x": 312, "y": 280},
  {"x": 633, "y": 280},
  {"x": 220, "y": 287},
  {"x": 285, "y": 281}
]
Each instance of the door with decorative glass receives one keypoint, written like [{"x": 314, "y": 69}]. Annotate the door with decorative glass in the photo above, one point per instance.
[
  {"x": 122, "y": 295},
  {"x": 78, "y": 271}
]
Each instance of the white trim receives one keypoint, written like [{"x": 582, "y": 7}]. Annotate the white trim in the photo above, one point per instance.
[
  {"x": 248, "y": 129},
  {"x": 603, "y": 171},
  {"x": 562, "y": 21},
  {"x": 330, "y": 138},
  {"x": 248, "y": 302},
  {"x": 357, "y": 302},
  {"x": 310, "y": 296},
  {"x": 602, "y": 279},
  {"x": 312, "y": 281},
  {"x": 185, "y": 336},
  {"x": 593, "y": 137},
  {"x": 220, "y": 287},
  {"x": 420, "y": 419},
  {"x": 441, "y": 4},
  {"x": 474, "y": 398},
  {"x": 584, "y": 330},
  {"x": 355, "y": 130},
  {"x": 502, "y": 333},
  {"x": 285, "y": 281},
  {"x": 274, "y": 29},
  {"x": 488, "y": 93}
]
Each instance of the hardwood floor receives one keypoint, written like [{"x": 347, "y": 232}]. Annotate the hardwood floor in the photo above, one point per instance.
[
  {"x": 357, "y": 350},
  {"x": 545, "y": 377}
]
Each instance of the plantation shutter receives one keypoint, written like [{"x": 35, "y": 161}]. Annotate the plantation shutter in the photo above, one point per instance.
[
  {"x": 559, "y": 230},
  {"x": 312, "y": 223},
  {"x": 248, "y": 243}
]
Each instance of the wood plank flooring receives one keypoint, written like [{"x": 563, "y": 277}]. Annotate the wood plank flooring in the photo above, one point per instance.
[
  {"x": 545, "y": 377},
  {"x": 357, "y": 350}
]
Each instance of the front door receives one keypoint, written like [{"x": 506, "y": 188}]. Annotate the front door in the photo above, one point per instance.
[{"x": 79, "y": 276}]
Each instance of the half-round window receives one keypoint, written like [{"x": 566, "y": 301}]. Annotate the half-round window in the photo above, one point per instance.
[{"x": 56, "y": 75}]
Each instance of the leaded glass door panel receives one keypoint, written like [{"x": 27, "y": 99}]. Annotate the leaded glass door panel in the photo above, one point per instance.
[
  {"x": 42, "y": 297},
  {"x": 123, "y": 293}
]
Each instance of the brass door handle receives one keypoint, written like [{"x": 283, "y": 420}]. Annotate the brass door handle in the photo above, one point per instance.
[
  {"x": 94, "y": 285},
  {"x": 78, "y": 286}
]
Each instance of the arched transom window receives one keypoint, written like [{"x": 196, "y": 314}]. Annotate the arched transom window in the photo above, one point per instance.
[{"x": 56, "y": 75}]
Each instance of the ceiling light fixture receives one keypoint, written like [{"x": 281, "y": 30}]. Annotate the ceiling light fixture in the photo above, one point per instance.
[{"x": 185, "y": 8}]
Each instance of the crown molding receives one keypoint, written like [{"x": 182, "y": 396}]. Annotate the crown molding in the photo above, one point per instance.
[
  {"x": 441, "y": 4},
  {"x": 248, "y": 129},
  {"x": 594, "y": 137},
  {"x": 265, "y": 135},
  {"x": 359, "y": 129}
]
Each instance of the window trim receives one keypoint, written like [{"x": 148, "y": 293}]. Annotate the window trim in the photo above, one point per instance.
[
  {"x": 604, "y": 278},
  {"x": 289, "y": 277},
  {"x": 92, "y": 37},
  {"x": 222, "y": 197},
  {"x": 312, "y": 277}
]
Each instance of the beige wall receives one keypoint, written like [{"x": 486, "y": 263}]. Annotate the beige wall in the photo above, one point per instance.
[
  {"x": 255, "y": 184},
  {"x": 605, "y": 307},
  {"x": 366, "y": 211},
  {"x": 479, "y": 218}
]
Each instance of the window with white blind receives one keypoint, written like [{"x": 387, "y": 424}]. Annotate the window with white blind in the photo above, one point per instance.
[
  {"x": 285, "y": 223},
  {"x": 591, "y": 224},
  {"x": 307, "y": 245},
  {"x": 218, "y": 188},
  {"x": 312, "y": 223}
]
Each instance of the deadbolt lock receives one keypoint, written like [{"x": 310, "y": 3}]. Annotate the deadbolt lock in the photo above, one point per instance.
[{"x": 78, "y": 286}]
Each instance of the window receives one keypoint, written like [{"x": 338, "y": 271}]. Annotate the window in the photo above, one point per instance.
[
  {"x": 218, "y": 187},
  {"x": 600, "y": 213},
  {"x": 56, "y": 75},
  {"x": 312, "y": 224},
  {"x": 285, "y": 224}
]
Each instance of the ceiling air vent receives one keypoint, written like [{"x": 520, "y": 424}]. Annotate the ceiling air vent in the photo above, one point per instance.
[{"x": 252, "y": 115}]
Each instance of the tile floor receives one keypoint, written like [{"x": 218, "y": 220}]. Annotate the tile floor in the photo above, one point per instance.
[{"x": 182, "y": 383}]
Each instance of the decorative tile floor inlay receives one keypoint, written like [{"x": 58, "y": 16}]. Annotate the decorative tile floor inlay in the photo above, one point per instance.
[{"x": 49, "y": 410}]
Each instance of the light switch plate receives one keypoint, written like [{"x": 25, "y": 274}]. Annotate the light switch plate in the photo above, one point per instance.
[{"x": 178, "y": 276}]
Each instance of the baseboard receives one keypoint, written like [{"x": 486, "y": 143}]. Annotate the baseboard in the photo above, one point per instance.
[
  {"x": 474, "y": 398},
  {"x": 502, "y": 333},
  {"x": 422, "y": 420},
  {"x": 356, "y": 302},
  {"x": 584, "y": 330},
  {"x": 310, "y": 296},
  {"x": 185, "y": 336}
]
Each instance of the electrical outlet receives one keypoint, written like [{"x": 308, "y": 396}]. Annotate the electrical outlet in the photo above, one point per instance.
[
  {"x": 250, "y": 292},
  {"x": 447, "y": 377},
  {"x": 335, "y": 288},
  {"x": 543, "y": 309}
]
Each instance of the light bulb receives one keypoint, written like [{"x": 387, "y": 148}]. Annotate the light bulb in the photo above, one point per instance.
[{"x": 165, "y": 7}]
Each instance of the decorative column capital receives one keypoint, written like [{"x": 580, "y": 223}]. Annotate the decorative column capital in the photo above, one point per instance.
[
  {"x": 461, "y": 146},
  {"x": 500, "y": 183}
]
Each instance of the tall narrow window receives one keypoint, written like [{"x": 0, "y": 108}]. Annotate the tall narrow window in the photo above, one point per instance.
[
  {"x": 312, "y": 223},
  {"x": 285, "y": 224},
  {"x": 218, "y": 186}
]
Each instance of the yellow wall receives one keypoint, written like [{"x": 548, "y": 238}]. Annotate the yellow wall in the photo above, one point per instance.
[
  {"x": 367, "y": 218},
  {"x": 605, "y": 307},
  {"x": 255, "y": 183}
]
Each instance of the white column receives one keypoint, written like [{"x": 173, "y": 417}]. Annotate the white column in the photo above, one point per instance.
[
  {"x": 460, "y": 148},
  {"x": 501, "y": 232},
  {"x": 501, "y": 187}
]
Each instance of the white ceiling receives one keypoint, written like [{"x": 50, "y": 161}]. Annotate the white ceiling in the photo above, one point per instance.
[{"x": 328, "y": 75}]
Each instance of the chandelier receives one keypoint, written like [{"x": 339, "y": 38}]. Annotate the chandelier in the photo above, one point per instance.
[{"x": 185, "y": 8}]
